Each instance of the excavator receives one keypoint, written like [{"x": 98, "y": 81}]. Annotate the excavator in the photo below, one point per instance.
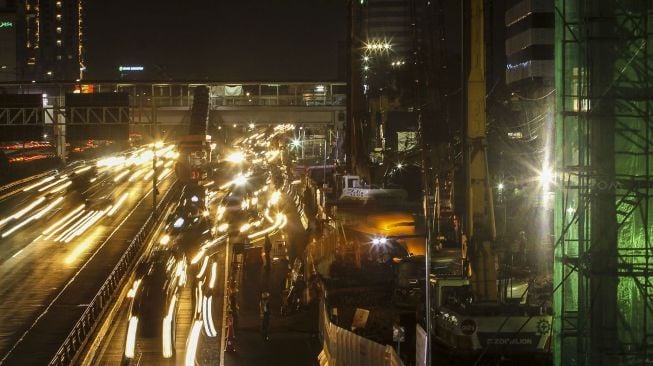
[{"x": 477, "y": 316}]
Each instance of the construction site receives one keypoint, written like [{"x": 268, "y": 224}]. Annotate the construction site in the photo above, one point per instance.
[{"x": 571, "y": 285}]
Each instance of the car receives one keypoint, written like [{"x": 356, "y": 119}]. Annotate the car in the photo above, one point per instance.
[{"x": 192, "y": 204}]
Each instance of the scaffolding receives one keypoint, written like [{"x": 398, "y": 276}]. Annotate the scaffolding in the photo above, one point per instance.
[{"x": 603, "y": 264}]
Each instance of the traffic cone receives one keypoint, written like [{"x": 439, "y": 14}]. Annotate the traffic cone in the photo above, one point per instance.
[{"x": 230, "y": 344}]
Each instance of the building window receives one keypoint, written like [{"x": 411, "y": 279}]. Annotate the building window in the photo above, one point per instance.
[
  {"x": 58, "y": 16},
  {"x": 58, "y": 29},
  {"x": 58, "y": 57},
  {"x": 58, "y": 4},
  {"x": 58, "y": 42}
]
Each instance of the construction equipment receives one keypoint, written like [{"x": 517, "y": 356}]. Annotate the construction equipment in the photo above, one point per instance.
[{"x": 472, "y": 316}]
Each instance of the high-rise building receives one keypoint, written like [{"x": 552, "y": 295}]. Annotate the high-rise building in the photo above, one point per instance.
[
  {"x": 386, "y": 33},
  {"x": 529, "y": 40},
  {"x": 387, "y": 22},
  {"x": 49, "y": 40},
  {"x": 7, "y": 40}
]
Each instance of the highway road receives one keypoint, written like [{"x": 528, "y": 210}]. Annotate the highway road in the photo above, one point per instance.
[
  {"x": 242, "y": 205},
  {"x": 110, "y": 347},
  {"x": 62, "y": 233},
  {"x": 60, "y": 236}
]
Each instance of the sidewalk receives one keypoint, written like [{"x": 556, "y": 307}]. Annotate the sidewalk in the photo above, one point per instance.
[{"x": 294, "y": 338}]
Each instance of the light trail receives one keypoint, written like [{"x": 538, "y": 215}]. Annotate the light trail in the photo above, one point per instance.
[
  {"x": 209, "y": 327},
  {"x": 130, "y": 345},
  {"x": 88, "y": 224},
  {"x": 118, "y": 204},
  {"x": 74, "y": 226},
  {"x": 193, "y": 339},
  {"x": 61, "y": 187},
  {"x": 148, "y": 176},
  {"x": 78, "y": 251},
  {"x": 214, "y": 275},
  {"x": 132, "y": 291},
  {"x": 198, "y": 308},
  {"x": 56, "y": 224},
  {"x": 164, "y": 173},
  {"x": 198, "y": 257},
  {"x": 203, "y": 268},
  {"x": 63, "y": 178},
  {"x": 36, "y": 216},
  {"x": 167, "y": 328},
  {"x": 41, "y": 182},
  {"x": 82, "y": 170},
  {"x": 135, "y": 175},
  {"x": 120, "y": 176},
  {"x": 22, "y": 212}
]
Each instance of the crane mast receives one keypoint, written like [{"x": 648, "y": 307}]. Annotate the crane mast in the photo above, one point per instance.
[{"x": 480, "y": 224}]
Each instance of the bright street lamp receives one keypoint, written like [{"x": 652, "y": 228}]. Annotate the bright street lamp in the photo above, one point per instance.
[
  {"x": 546, "y": 177},
  {"x": 240, "y": 180}
]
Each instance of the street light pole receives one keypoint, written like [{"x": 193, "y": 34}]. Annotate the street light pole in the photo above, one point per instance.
[
  {"x": 324, "y": 166},
  {"x": 154, "y": 178},
  {"x": 155, "y": 191},
  {"x": 302, "y": 148}
]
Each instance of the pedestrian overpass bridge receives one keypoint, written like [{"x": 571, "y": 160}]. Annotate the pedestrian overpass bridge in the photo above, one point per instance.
[{"x": 319, "y": 105}]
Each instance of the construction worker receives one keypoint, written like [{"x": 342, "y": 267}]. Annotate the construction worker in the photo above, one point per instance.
[
  {"x": 268, "y": 249},
  {"x": 264, "y": 308}
]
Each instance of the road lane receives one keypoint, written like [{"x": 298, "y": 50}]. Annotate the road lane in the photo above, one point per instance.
[
  {"x": 267, "y": 217},
  {"x": 148, "y": 352},
  {"x": 35, "y": 271}
]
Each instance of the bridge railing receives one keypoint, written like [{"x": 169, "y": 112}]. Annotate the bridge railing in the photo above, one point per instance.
[{"x": 105, "y": 296}]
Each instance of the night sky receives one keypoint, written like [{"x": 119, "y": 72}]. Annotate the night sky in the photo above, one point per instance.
[{"x": 239, "y": 40}]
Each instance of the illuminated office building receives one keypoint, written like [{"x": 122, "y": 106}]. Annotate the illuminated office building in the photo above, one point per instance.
[{"x": 49, "y": 38}]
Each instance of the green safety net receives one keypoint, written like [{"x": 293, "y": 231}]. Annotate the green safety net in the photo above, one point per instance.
[{"x": 603, "y": 303}]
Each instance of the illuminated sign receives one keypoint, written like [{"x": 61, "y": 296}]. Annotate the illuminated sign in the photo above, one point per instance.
[
  {"x": 131, "y": 68},
  {"x": 6, "y": 24}
]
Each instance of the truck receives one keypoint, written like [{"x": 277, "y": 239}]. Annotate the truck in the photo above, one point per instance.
[
  {"x": 194, "y": 158},
  {"x": 195, "y": 148},
  {"x": 471, "y": 330}
]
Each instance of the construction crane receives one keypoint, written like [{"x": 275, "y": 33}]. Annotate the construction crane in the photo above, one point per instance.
[
  {"x": 472, "y": 319},
  {"x": 479, "y": 221}
]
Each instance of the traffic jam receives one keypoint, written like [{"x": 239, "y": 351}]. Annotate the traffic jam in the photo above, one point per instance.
[{"x": 236, "y": 204}]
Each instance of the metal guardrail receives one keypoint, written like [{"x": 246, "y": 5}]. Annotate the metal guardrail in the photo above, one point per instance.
[{"x": 105, "y": 296}]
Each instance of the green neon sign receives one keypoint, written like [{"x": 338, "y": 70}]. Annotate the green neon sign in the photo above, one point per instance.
[{"x": 6, "y": 24}]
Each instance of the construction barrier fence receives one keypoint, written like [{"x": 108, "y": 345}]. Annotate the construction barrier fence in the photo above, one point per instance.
[{"x": 343, "y": 347}]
